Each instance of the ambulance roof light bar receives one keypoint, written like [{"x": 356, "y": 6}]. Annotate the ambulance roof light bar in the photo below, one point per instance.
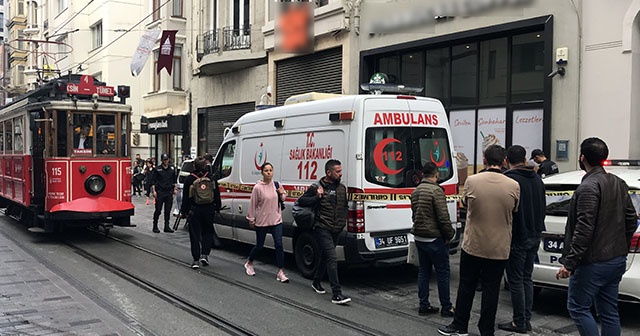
[{"x": 379, "y": 88}]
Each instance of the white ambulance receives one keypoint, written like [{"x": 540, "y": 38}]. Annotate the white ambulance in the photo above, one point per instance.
[{"x": 382, "y": 141}]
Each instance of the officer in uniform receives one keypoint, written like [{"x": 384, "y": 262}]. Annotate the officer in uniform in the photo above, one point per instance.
[{"x": 164, "y": 187}]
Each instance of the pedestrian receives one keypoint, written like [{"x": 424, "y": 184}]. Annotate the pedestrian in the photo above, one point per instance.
[
  {"x": 200, "y": 214},
  {"x": 490, "y": 198},
  {"x": 148, "y": 174},
  {"x": 137, "y": 178},
  {"x": 139, "y": 160},
  {"x": 546, "y": 167},
  {"x": 600, "y": 225},
  {"x": 208, "y": 158},
  {"x": 265, "y": 216},
  {"x": 164, "y": 188},
  {"x": 526, "y": 231},
  {"x": 432, "y": 231},
  {"x": 330, "y": 199}
]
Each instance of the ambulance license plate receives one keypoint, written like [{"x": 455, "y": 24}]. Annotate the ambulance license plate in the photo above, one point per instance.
[{"x": 389, "y": 241}]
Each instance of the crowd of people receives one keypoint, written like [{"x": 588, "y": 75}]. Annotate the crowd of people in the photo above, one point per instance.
[{"x": 505, "y": 219}]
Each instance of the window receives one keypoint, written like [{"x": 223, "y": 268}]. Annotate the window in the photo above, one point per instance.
[
  {"x": 240, "y": 16},
  {"x": 398, "y": 163},
  {"x": 106, "y": 140},
  {"x": 464, "y": 74},
  {"x": 527, "y": 67},
  {"x": 83, "y": 134},
  {"x": 493, "y": 71},
  {"x": 18, "y": 133},
  {"x": 176, "y": 72},
  {"x": 177, "y": 68},
  {"x": 2, "y": 20},
  {"x": 21, "y": 75},
  {"x": 156, "y": 10},
  {"x": 437, "y": 79},
  {"x": 33, "y": 20},
  {"x": 21, "y": 7},
  {"x": 224, "y": 163},
  {"x": 96, "y": 35},
  {"x": 8, "y": 136},
  {"x": 177, "y": 8},
  {"x": 62, "y": 5}
]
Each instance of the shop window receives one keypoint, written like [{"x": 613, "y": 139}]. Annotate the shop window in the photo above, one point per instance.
[
  {"x": 527, "y": 67},
  {"x": 389, "y": 65},
  {"x": 437, "y": 79},
  {"x": 464, "y": 74},
  {"x": 493, "y": 71},
  {"x": 412, "y": 69}
]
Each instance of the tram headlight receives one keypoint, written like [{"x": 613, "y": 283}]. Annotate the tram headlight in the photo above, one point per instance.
[{"x": 95, "y": 184}]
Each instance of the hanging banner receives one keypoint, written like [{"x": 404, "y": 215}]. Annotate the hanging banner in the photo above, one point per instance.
[
  {"x": 167, "y": 44},
  {"x": 145, "y": 46}
]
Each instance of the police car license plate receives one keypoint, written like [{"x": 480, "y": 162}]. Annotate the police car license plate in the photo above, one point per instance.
[
  {"x": 555, "y": 244},
  {"x": 389, "y": 241}
]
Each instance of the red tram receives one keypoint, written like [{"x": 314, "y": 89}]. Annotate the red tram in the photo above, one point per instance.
[{"x": 64, "y": 156}]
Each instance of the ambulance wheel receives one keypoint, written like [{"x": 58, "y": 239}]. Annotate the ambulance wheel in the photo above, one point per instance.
[{"x": 307, "y": 254}]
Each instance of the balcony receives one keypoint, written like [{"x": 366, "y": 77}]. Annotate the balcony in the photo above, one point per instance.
[
  {"x": 236, "y": 38},
  {"x": 226, "y": 50}
]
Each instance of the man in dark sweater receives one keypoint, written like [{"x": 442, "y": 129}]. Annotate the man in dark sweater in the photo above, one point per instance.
[{"x": 527, "y": 227}]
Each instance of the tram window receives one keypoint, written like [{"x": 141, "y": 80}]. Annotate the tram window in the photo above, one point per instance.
[
  {"x": 124, "y": 137},
  {"x": 18, "y": 134},
  {"x": 8, "y": 135},
  {"x": 61, "y": 133},
  {"x": 1, "y": 137},
  {"x": 106, "y": 134},
  {"x": 82, "y": 134}
]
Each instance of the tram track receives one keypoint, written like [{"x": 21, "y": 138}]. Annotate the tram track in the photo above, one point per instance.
[{"x": 285, "y": 301}]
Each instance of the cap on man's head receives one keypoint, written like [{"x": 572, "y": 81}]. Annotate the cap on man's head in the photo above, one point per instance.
[
  {"x": 536, "y": 152},
  {"x": 164, "y": 156}
]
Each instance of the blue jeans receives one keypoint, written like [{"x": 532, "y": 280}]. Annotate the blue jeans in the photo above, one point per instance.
[
  {"x": 596, "y": 283},
  {"x": 434, "y": 254},
  {"x": 327, "y": 241},
  {"x": 276, "y": 234},
  {"x": 519, "y": 272}
]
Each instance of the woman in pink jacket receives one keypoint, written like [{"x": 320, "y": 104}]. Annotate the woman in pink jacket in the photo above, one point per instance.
[{"x": 265, "y": 215}]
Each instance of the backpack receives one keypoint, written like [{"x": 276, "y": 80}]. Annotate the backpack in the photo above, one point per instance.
[
  {"x": 201, "y": 190},
  {"x": 305, "y": 217},
  {"x": 279, "y": 199}
]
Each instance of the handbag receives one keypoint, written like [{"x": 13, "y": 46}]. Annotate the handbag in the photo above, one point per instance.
[{"x": 304, "y": 216}]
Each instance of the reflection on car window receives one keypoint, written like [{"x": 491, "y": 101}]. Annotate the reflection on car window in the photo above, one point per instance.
[{"x": 224, "y": 162}]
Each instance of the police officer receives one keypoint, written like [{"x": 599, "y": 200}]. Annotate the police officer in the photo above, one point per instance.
[{"x": 164, "y": 187}]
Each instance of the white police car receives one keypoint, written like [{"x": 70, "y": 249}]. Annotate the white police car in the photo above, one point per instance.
[{"x": 559, "y": 189}]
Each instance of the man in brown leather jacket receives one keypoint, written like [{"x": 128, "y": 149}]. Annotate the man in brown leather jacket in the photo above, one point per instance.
[
  {"x": 600, "y": 225},
  {"x": 432, "y": 229}
]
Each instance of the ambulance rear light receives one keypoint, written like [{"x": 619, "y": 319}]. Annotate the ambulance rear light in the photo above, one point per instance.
[
  {"x": 635, "y": 243},
  {"x": 406, "y": 97},
  {"x": 355, "y": 217},
  {"x": 622, "y": 163},
  {"x": 342, "y": 116}
]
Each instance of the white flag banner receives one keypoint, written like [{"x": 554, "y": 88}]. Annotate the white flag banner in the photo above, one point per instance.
[{"x": 147, "y": 42}]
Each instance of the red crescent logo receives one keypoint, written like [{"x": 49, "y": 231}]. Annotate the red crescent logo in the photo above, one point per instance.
[
  {"x": 255, "y": 160},
  {"x": 377, "y": 157}
]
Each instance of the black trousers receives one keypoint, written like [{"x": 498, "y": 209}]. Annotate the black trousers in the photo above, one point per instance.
[
  {"x": 489, "y": 273},
  {"x": 164, "y": 199},
  {"x": 201, "y": 230}
]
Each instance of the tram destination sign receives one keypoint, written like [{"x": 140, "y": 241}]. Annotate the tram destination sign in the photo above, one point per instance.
[{"x": 87, "y": 87}]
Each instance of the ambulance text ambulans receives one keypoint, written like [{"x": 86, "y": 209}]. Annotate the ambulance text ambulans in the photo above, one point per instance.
[{"x": 382, "y": 141}]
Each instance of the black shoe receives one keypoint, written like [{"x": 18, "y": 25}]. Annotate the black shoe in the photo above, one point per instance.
[
  {"x": 428, "y": 310},
  {"x": 318, "y": 288},
  {"x": 451, "y": 312},
  {"x": 168, "y": 229},
  {"x": 451, "y": 330},
  {"x": 340, "y": 299},
  {"x": 510, "y": 326},
  {"x": 156, "y": 230},
  {"x": 195, "y": 264},
  {"x": 529, "y": 326},
  {"x": 204, "y": 260}
]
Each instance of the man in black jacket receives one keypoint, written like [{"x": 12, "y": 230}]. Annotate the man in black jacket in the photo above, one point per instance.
[
  {"x": 526, "y": 231},
  {"x": 546, "y": 167},
  {"x": 331, "y": 218},
  {"x": 200, "y": 215},
  {"x": 164, "y": 187},
  {"x": 600, "y": 225}
]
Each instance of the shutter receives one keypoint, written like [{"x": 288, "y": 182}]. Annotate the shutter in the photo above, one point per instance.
[
  {"x": 317, "y": 72},
  {"x": 221, "y": 117}
]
